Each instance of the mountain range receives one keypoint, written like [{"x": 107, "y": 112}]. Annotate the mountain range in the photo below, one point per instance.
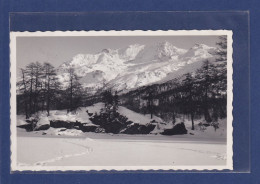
[{"x": 136, "y": 65}]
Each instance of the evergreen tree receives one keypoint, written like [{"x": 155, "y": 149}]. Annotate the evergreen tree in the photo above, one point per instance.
[
  {"x": 50, "y": 85},
  {"x": 204, "y": 80},
  {"x": 150, "y": 103},
  {"x": 115, "y": 102},
  {"x": 23, "y": 87},
  {"x": 38, "y": 80},
  {"x": 111, "y": 103},
  {"x": 222, "y": 49},
  {"x": 189, "y": 96},
  {"x": 108, "y": 100},
  {"x": 74, "y": 91},
  {"x": 30, "y": 73},
  {"x": 221, "y": 78},
  {"x": 31, "y": 80}
]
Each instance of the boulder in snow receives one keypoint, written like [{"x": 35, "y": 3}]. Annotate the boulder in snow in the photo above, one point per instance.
[
  {"x": 178, "y": 129},
  {"x": 63, "y": 124},
  {"x": 113, "y": 127},
  {"x": 28, "y": 127},
  {"x": 138, "y": 129},
  {"x": 88, "y": 128},
  {"x": 100, "y": 130},
  {"x": 29, "y": 124},
  {"x": 42, "y": 124}
]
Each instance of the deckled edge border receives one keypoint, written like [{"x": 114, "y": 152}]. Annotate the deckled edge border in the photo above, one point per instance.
[{"x": 13, "y": 132}]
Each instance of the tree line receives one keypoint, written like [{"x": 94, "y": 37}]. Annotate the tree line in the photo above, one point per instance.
[{"x": 39, "y": 89}]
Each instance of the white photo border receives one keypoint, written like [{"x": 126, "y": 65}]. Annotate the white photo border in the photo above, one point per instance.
[{"x": 13, "y": 137}]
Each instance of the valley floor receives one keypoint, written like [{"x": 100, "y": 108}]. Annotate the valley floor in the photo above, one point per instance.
[{"x": 92, "y": 149}]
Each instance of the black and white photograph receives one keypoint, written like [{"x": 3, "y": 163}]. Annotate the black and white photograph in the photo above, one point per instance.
[{"x": 121, "y": 100}]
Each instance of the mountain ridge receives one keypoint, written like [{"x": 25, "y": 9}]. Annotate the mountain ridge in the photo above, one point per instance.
[{"x": 135, "y": 65}]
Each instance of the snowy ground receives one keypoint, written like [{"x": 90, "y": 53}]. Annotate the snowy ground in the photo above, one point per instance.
[{"x": 91, "y": 149}]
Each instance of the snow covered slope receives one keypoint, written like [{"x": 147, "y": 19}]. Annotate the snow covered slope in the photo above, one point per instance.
[{"x": 136, "y": 65}]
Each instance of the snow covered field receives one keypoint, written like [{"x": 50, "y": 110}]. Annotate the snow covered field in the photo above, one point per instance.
[{"x": 91, "y": 149}]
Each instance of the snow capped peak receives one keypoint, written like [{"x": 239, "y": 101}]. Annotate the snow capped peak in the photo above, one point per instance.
[
  {"x": 105, "y": 50},
  {"x": 78, "y": 57},
  {"x": 109, "y": 51},
  {"x": 131, "y": 51},
  {"x": 164, "y": 44},
  {"x": 199, "y": 52},
  {"x": 79, "y": 60},
  {"x": 135, "y": 46},
  {"x": 201, "y": 46},
  {"x": 136, "y": 65},
  {"x": 166, "y": 49}
]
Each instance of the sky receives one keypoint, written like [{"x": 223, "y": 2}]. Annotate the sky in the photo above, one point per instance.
[{"x": 57, "y": 50}]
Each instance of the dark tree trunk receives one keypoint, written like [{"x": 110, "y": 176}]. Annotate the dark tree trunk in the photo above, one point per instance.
[
  {"x": 30, "y": 101},
  {"x": 26, "y": 108},
  {"x": 173, "y": 118},
  {"x": 42, "y": 108},
  {"x": 44, "y": 95},
  {"x": 206, "y": 111},
  {"x": 36, "y": 92},
  {"x": 192, "y": 121},
  {"x": 25, "y": 96},
  {"x": 48, "y": 98},
  {"x": 191, "y": 110},
  {"x": 151, "y": 109},
  {"x": 71, "y": 95},
  {"x": 173, "y": 113}
]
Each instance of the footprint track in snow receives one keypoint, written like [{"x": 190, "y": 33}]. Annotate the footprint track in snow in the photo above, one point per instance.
[
  {"x": 215, "y": 155},
  {"x": 45, "y": 162}
]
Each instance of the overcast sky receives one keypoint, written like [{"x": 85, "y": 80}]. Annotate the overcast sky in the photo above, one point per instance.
[{"x": 57, "y": 50}]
